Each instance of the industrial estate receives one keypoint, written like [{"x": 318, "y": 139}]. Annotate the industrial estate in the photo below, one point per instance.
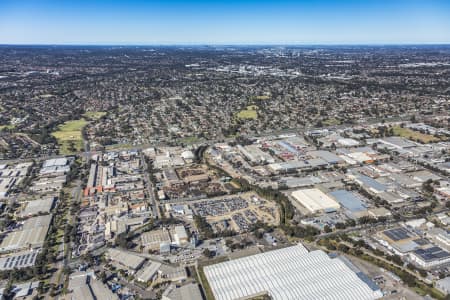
[{"x": 224, "y": 173}]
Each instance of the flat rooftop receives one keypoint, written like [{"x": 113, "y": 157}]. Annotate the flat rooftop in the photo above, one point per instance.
[
  {"x": 349, "y": 200},
  {"x": 398, "y": 234},
  {"x": 315, "y": 200},
  {"x": 431, "y": 254},
  {"x": 288, "y": 273}
]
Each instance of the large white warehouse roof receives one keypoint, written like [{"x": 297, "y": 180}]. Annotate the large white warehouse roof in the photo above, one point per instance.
[
  {"x": 288, "y": 273},
  {"x": 315, "y": 200}
]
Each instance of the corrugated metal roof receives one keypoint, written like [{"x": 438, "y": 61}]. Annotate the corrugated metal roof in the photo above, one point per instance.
[
  {"x": 349, "y": 200},
  {"x": 288, "y": 273}
]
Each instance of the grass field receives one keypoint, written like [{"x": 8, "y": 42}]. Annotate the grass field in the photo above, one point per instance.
[
  {"x": 6, "y": 127},
  {"x": 119, "y": 147},
  {"x": 331, "y": 122},
  {"x": 414, "y": 135},
  {"x": 190, "y": 140},
  {"x": 263, "y": 97},
  {"x": 70, "y": 133},
  {"x": 94, "y": 115},
  {"x": 248, "y": 114}
]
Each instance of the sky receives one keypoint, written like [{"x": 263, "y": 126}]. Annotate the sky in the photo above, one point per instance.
[{"x": 151, "y": 22}]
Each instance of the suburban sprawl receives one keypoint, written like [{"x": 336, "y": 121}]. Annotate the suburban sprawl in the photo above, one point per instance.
[{"x": 185, "y": 173}]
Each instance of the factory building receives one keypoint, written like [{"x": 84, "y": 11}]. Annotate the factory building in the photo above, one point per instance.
[
  {"x": 289, "y": 273},
  {"x": 430, "y": 258},
  {"x": 353, "y": 203},
  {"x": 125, "y": 260},
  {"x": 314, "y": 200},
  {"x": 255, "y": 155}
]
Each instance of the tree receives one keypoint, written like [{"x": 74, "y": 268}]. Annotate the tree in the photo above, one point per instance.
[
  {"x": 208, "y": 253},
  {"x": 350, "y": 223},
  {"x": 327, "y": 228},
  {"x": 343, "y": 248},
  {"x": 427, "y": 186},
  {"x": 103, "y": 276},
  {"x": 340, "y": 225},
  {"x": 423, "y": 273}
]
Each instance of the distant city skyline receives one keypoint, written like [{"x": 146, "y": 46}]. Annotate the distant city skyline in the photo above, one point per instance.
[{"x": 251, "y": 22}]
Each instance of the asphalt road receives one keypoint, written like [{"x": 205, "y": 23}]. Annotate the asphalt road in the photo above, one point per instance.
[{"x": 150, "y": 190}]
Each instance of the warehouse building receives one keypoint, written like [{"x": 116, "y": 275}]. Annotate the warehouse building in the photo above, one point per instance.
[
  {"x": 288, "y": 273},
  {"x": 18, "y": 260},
  {"x": 85, "y": 286},
  {"x": 444, "y": 285},
  {"x": 124, "y": 259},
  {"x": 370, "y": 184},
  {"x": 400, "y": 240},
  {"x": 352, "y": 202},
  {"x": 440, "y": 236},
  {"x": 148, "y": 272},
  {"x": 329, "y": 157},
  {"x": 40, "y": 206},
  {"x": 152, "y": 240},
  {"x": 314, "y": 200},
  {"x": 32, "y": 235},
  {"x": 180, "y": 236},
  {"x": 296, "y": 182},
  {"x": 190, "y": 291},
  {"x": 39, "y": 221},
  {"x": 294, "y": 165},
  {"x": 430, "y": 258},
  {"x": 24, "y": 239},
  {"x": 255, "y": 154}
]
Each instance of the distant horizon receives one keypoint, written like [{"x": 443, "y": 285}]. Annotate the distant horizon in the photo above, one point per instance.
[
  {"x": 227, "y": 44},
  {"x": 224, "y": 22}
]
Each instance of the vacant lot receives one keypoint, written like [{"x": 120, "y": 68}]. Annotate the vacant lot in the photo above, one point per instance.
[
  {"x": 414, "y": 135},
  {"x": 69, "y": 136}
]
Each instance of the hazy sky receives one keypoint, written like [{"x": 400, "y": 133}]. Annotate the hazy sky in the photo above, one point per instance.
[{"x": 224, "y": 22}]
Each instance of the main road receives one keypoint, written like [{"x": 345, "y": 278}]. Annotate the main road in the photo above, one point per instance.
[{"x": 150, "y": 190}]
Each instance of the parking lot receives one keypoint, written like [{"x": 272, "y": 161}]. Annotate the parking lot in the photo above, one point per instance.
[{"x": 237, "y": 212}]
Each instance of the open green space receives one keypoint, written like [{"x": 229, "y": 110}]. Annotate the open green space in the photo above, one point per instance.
[
  {"x": 69, "y": 136},
  {"x": 119, "y": 147},
  {"x": 190, "y": 140},
  {"x": 331, "y": 122},
  {"x": 94, "y": 115},
  {"x": 8, "y": 126},
  {"x": 414, "y": 135},
  {"x": 250, "y": 113},
  {"x": 261, "y": 97}
]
